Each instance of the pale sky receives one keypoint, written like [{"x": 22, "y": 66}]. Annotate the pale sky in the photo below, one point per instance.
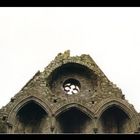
[{"x": 31, "y": 37}]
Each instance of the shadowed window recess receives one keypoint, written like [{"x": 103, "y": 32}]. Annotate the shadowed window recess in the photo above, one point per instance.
[
  {"x": 30, "y": 118},
  {"x": 73, "y": 121}
]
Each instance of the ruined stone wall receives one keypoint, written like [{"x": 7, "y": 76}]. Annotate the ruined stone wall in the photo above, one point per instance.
[{"x": 71, "y": 95}]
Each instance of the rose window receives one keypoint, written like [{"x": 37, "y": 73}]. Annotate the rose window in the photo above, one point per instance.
[{"x": 71, "y": 86}]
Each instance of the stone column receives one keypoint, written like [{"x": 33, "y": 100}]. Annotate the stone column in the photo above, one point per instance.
[
  {"x": 95, "y": 127},
  {"x": 53, "y": 123}
]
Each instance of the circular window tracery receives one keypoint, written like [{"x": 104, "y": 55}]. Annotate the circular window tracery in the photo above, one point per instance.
[{"x": 71, "y": 86}]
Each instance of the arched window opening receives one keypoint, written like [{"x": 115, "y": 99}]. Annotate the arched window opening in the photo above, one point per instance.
[
  {"x": 30, "y": 118},
  {"x": 114, "y": 120},
  {"x": 73, "y": 121}
]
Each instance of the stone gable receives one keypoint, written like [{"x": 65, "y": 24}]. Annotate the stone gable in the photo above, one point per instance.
[{"x": 71, "y": 95}]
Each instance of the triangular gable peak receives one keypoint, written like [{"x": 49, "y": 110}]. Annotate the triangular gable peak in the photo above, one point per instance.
[{"x": 74, "y": 83}]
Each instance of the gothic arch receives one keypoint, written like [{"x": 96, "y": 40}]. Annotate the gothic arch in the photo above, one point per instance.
[
  {"x": 76, "y": 105},
  {"x": 74, "y": 118},
  {"x": 27, "y": 103},
  {"x": 120, "y": 109}
]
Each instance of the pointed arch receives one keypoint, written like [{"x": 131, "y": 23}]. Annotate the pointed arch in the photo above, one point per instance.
[
  {"x": 115, "y": 120},
  {"x": 28, "y": 115},
  {"x": 74, "y": 118},
  {"x": 116, "y": 116},
  {"x": 76, "y": 105}
]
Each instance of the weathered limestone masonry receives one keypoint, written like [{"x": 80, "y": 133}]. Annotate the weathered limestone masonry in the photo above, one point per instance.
[{"x": 71, "y": 95}]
